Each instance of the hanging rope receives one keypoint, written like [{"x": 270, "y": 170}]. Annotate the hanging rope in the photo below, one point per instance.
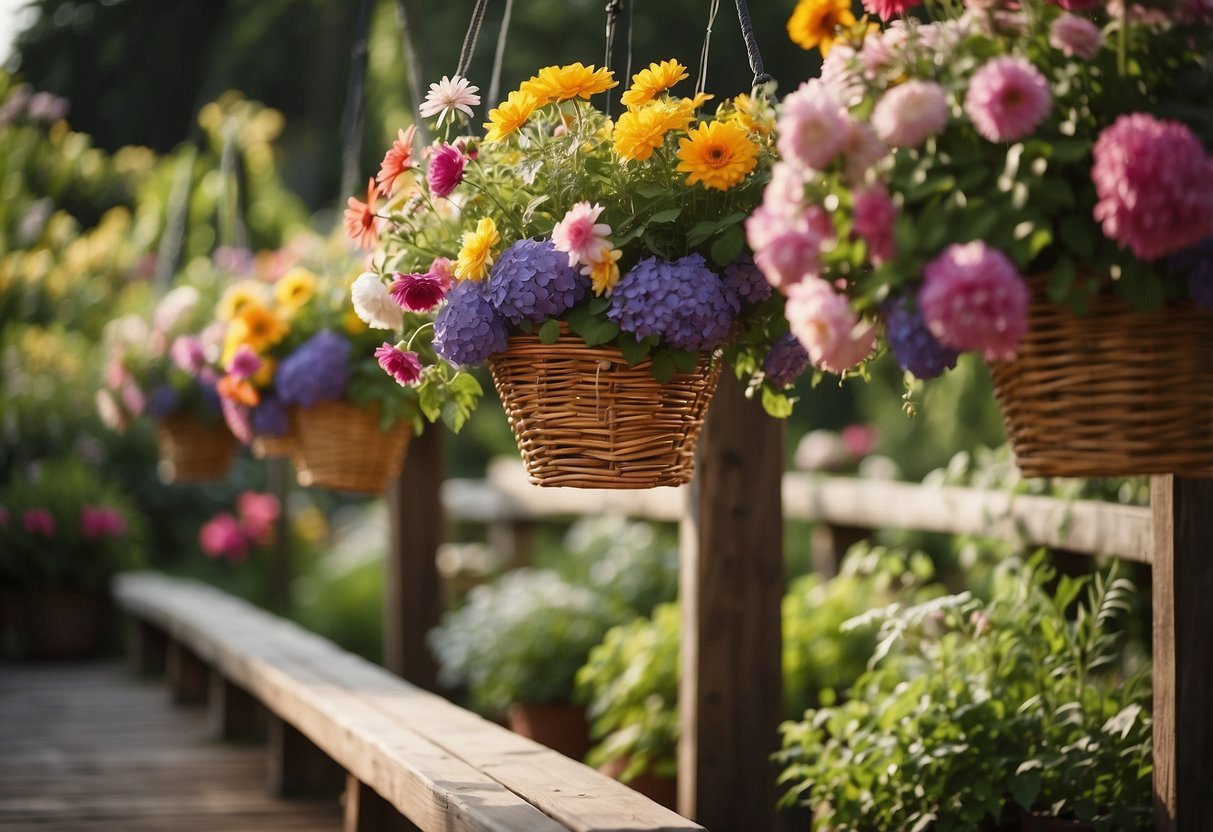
[
  {"x": 751, "y": 45},
  {"x": 499, "y": 56},
  {"x": 469, "y": 40},
  {"x": 172, "y": 239},
  {"x": 613, "y": 7},
  {"x": 355, "y": 104},
  {"x": 701, "y": 81}
]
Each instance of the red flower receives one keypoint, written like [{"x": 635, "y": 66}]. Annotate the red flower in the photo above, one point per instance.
[
  {"x": 361, "y": 224},
  {"x": 418, "y": 292},
  {"x": 397, "y": 160},
  {"x": 403, "y": 366}
]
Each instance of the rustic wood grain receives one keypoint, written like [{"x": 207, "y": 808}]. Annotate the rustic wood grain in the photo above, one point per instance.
[
  {"x": 367, "y": 811},
  {"x": 731, "y": 591}
]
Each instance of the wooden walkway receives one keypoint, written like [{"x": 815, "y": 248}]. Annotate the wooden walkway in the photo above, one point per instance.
[{"x": 89, "y": 747}]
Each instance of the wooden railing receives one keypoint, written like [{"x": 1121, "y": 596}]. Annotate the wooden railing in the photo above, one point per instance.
[{"x": 407, "y": 759}]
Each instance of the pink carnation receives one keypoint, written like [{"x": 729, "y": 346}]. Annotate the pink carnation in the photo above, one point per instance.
[
  {"x": 581, "y": 236},
  {"x": 258, "y": 513},
  {"x": 97, "y": 522},
  {"x": 443, "y": 269},
  {"x": 787, "y": 249},
  {"x": 874, "y": 219},
  {"x": 910, "y": 113},
  {"x": 223, "y": 537},
  {"x": 784, "y": 194},
  {"x": 403, "y": 366},
  {"x": 245, "y": 362},
  {"x": 812, "y": 127},
  {"x": 418, "y": 292},
  {"x": 862, "y": 151},
  {"x": 1155, "y": 185},
  {"x": 822, "y": 320},
  {"x": 888, "y": 9},
  {"x": 973, "y": 298},
  {"x": 1075, "y": 36},
  {"x": 446, "y": 170},
  {"x": 1008, "y": 98},
  {"x": 38, "y": 522}
]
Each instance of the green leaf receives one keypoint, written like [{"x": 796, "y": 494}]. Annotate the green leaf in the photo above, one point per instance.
[
  {"x": 550, "y": 331},
  {"x": 684, "y": 360},
  {"x": 725, "y": 250},
  {"x": 667, "y": 215},
  {"x": 599, "y": 305},
  {"x": 529, "y": 211},
  {"x": 652, "y": 190},
  {"x": 1061, "y": 280},
  {"x": 776, "y": 404},
  {"x": 634, "y": 351},
  {"x": 1078, "y": 234},
  {"x": 663, "y": 366},
  {"x": 598, "y": 331},
  {"x": 700, "y": 231}
]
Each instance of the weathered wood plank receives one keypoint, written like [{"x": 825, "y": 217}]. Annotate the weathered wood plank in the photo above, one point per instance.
[
  {"x": 1183, "y": 653},
  {"x": 731, "y": 590},
  {"x": 148, "y": 649},
  {"x": 234, "y": 713},
  {"x": 298, "y": 766},
  {"x": 367, "y": 811},
  {"x": 188, "y": 681}
]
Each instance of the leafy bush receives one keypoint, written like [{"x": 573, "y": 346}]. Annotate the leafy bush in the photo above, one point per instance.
[
  {"x": 633, "y": 565},
  {"x": 971, "y": 709}
]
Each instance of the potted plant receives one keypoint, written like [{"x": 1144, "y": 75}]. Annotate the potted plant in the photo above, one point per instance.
[
  {"x": 973, "y": 714},
  {"x": 598, "y": 264},
  {"x": 1029, "y": 182},
  {"x": 63, "y": 534}
]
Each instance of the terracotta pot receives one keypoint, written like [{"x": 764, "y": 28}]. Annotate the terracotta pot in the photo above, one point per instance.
[
  {"x": 663, "y": 790},
  {"x": 58, "y": 625},
  {"x": 562, "y": 728}
]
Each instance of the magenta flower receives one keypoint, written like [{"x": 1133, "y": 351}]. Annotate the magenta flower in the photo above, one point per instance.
[
  {"x": 581, "y": 236},
  {"x": 973, "y": 298},
  {"x": 1155, "y": 185},
  {"x": 38, "y": 522},
  {"x": 859, "y": 440},
  {"x": 245, "y": 362},
  {"x": 910, "y": 113},
  {"x": 824, "y": 322},
  {"x": 875, "y": 216},
  {"x": 1078, "y": 5},
  {"x": 418, "y": 292},
  {"x": 446, "y": 170},
  {"x": 222, "y": 537},
  {"x": 1075, "y": 36},
  {"x": 787, "y": 249},
  {"x": 403, "y": 366},
  {"x": 97, "y": 522},
  {"x": 258, "y": 513},
  {"x": 1008, "y": 98},
  {"x": 813, "y": 126},
  {"x": 187, "y": 354},
  {"x": 888, "y": 9}
]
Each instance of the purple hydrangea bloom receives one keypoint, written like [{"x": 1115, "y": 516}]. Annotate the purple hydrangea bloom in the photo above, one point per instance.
[
  {"x": 162, "y": 401},
  {"x": 911, "y": 342},
  {"x": 269, "y": 417},
  {"x": 1196, "y": 264},
  {"x": 532, "y": 281},
  {"x": 786, "y": 360},
  {"x": 746, "y": 280},
  {"x": 467, "y": 330},
  {"x": 683, "y": 302},
  {"x": 316, "y": 372}
]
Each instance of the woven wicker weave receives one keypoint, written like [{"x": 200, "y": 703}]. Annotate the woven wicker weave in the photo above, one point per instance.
[
  {"x": 341, "y": 447},
  {"x": 584, "y": 419},
  {"x": 1114, "y": 393},
  {"x": 192, "y": 450},
  {"x": 273, "y": 447}
]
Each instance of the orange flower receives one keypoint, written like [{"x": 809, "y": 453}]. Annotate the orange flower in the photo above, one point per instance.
[
  {"x": 239, "y": 390},
  {"x": 397, "y": 160},
  {"x": 361, "y": 224}
]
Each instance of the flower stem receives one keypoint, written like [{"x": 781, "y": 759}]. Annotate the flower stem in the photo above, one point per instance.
[{"x": 428, "y": 325}]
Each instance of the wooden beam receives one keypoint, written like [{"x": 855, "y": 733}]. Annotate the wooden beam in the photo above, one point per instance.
[
  {"x": 149, "y": 648},
  {"x": 731, "y": 589},
  {"x": 234, "y": 713},
  {"x": 367, "y": 811},
  {"x": 1183, "y": 653},
  {"x": 413, "y": 602},
  {"x": 188, "y": 679},
  {"x": 297, "y": 766}
]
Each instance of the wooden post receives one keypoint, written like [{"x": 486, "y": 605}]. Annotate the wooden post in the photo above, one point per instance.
[
  {"x": 297, "y": 766},
  {"x": 235, "y": 714},
  {"x": 149, "y": 648},
  {"x": 731, "y": 589},
  {"x": 413, "y": 602},
  {"x": 280, "y": 474},
  {"x": 367, "y": 811},
  {"x": 187, "y": 675},
  {"x": 1183, "y": 653}
]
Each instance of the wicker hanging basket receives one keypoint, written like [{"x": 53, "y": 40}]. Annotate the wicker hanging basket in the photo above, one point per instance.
[
  {"x": 193, "y": 451},
  {"x": 273, "y": 447},
  {"x": 584, "y": 419},
  {"x": 341, "y": 447},
  {"x": 1114, "y": 393}
]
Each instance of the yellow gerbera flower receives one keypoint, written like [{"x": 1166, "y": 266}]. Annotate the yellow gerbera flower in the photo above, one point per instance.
[
  {"x": 814, "y": 23},
  {"x": 560, "y": 83},
  {"x": 639, "y": 132},
  {"x": 239, "y": 295},
  {"x": 261, "y": 328},
  {"x": 650, "y": 83},
  {"x": 604, "y": 273},
  {"x": 477, "y": 253},
  {"x": 294, "y": 289},
  {"x": 751, "y": 114},
  {"x": 719, "y": 154},
  {"x": 510, "y": 115}
]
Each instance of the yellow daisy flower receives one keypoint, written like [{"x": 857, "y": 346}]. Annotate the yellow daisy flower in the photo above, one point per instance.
[
  {"x": 510, "y": 115},
  {"x": 294, "y": 289},
  {"x": 261, "y": 327},
  {"x": 477, "y": 253},
  {"x": 639, "y": 132},
  {"x": 751, "y": 114},
  {"x": 650, "y": 83},
  {"x": 560, "y": 83},
  {"x": 239, "y": 295},
  {"x": 814, "y": 23},
  {"x": 719, "y": 154},
  {"x": 604, "y": 273}
]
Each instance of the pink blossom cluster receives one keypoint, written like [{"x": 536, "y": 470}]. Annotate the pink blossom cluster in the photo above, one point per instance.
[
  {"x": 231, "y": 536},
  {"x": 100, "y": 522}
]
